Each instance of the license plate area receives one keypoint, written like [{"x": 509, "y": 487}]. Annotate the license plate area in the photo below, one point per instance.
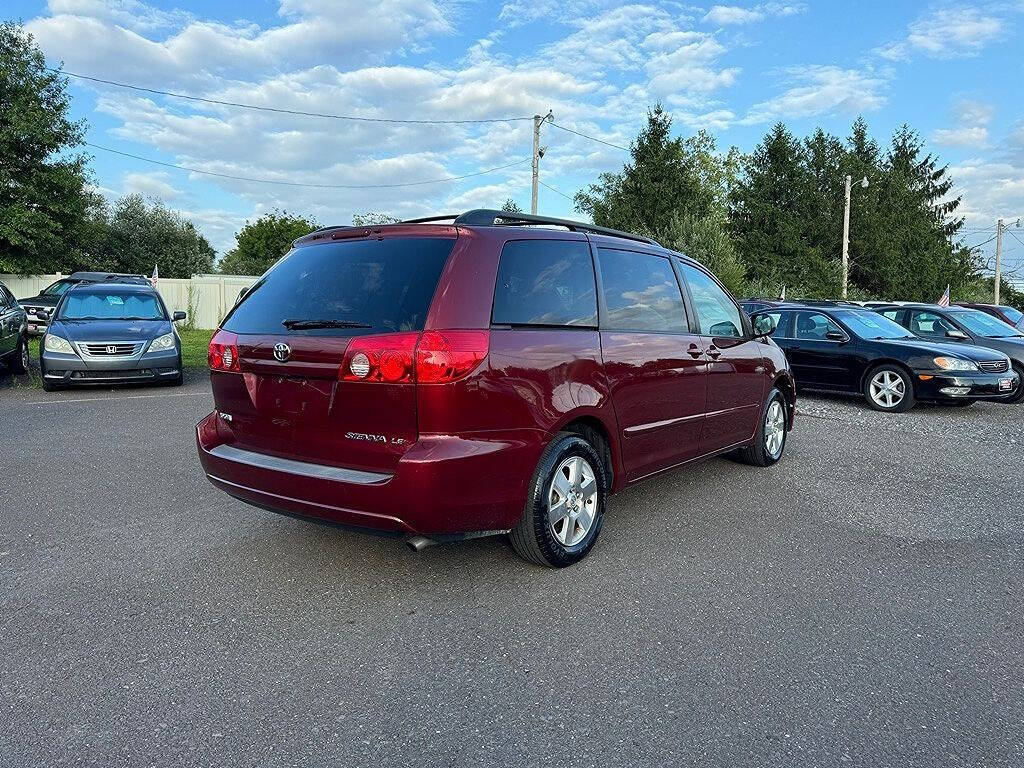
[{"x": 1005, "y": 385}]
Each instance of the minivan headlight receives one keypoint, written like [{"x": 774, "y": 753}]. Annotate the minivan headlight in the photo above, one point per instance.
[
  {"x": 58, "y": 344},
  {"x": 954, "y": 364},
  {"x": 160, "y": 343}
]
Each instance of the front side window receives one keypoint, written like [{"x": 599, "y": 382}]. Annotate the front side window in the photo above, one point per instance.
[
  {"x": 545, "y": 282},
  {"x": 717, "y": 314},
  {"x": 930, "y": 324},
  {"x": 641, "y": 293},
  {"x": 345, "y": 288},
  {"x": 814, "y": 326},
  {"x": 111, "y": 305}
]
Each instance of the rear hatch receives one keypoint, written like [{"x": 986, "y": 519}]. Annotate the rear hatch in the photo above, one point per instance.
[{"x": 316, "y": 361}]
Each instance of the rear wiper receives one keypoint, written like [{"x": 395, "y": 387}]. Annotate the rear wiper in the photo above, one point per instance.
[{"x": 298, "y": 325}]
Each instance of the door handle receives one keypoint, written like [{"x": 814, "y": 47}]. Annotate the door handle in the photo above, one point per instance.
[
  {"x": 714, "y": 352},
  {"x": 695, "y": 351}
]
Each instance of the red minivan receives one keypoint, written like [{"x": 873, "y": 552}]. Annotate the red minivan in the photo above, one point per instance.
[{"x": 488, "y": 373}]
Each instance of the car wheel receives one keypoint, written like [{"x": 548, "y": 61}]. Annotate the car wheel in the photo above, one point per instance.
[
  {"x": 565, "y": 506},
  {"x": 889, "y": 388},
  {"x": 18, "y": 362},
  {"x": 770, "y": 441}
]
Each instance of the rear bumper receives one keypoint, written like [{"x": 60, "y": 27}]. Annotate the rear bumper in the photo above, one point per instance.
[
  {"x": 979, "y": 386},
  {"x": 444, "y": 485}
]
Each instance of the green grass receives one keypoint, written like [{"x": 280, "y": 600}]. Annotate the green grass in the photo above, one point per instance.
[{"x": 195, "y": 343}]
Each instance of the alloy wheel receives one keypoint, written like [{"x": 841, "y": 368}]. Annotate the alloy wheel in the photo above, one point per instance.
[
  {"x": 774, "y": 429},
  {"x": 572, "y": 501},
  {"x": 24, "y": 356},
  {"x": 887, "y": 389}
]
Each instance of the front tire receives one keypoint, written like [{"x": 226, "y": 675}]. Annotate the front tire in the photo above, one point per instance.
[
  {"x": 770, "y": 441},
  {"x": 565, "y": 505},
  {"x": 889, "y": 388},
  {"x": 19, "y": 359},
  {"x": 1017, "y": 396}
]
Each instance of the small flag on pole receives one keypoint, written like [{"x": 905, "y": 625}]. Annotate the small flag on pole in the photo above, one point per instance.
[
  {"x": 156, "y": 275},
  {"x": 782, "y": 293},
  {"x": 944, "y": 299}
]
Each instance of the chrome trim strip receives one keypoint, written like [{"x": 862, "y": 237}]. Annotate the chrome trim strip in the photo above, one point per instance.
[
  {"x": 301, "y": 468},
  {"x": 83, "y": 349},
  {"x": 640, "y": 428}
]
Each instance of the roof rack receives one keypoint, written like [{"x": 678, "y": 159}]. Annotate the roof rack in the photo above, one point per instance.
[{"x": 486, "y": 217}]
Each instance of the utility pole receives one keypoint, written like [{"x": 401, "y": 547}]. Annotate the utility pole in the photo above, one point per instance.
[
  {"x": 538, "y": 153},
  {"x": 999, "y": 256},
  {"x": 846, "y": 232}
]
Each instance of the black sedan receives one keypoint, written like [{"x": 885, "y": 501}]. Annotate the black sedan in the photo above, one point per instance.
[
  {"x": 13, "y": 333},
  {"x": 106, "y": 333},
  {"x": 841, "y": 348},
  {"x": 963, "y": 326}
]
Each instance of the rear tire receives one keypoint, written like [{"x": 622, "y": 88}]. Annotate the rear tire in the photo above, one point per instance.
[
  {"x": 769, "y": 443},
  {"x": 18, "y": 361},
  {"x": 890, "y": 389},
  {"x": 565, "y": 504}
]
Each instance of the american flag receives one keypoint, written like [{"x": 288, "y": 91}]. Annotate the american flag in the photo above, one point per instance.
[
  {"x": 944, "y": 299},
  {"x": 156, "y": 275}
]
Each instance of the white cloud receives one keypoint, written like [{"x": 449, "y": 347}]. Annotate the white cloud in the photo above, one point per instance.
[
  {"x": 970, "y": 126},
  {"x": 947, "y": 33},
  {"x": 156, "y": 184},
  {"x": 726, "y": 15},
  {"x": 819, "y": 90}
]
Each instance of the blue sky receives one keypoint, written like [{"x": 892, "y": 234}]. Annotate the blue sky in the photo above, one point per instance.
[{"x": 950, "y": 70}]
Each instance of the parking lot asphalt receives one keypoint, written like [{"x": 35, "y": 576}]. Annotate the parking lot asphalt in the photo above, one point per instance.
[{"x": 859, "y": 604}]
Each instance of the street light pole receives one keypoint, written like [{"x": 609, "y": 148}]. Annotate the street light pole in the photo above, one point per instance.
[
  {"x": 846, "y": 232},
  {"x": 538, "y": 153}
]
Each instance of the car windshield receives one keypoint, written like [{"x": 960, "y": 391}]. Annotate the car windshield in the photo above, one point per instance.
[
  {"x": 1013, "y": 315},
  {"x": 871, "y": 325},
  {"x": 111, "y": 305},
  {"x": 57, "y": 289},
  {"x": 984, "y": 324}
]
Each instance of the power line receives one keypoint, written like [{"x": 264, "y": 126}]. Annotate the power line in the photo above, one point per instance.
[
  {"x": 303, "y": 184},
  {"x": 592, "y": 138},
  {"x": 557, "y": 192},
  {"x": 972, "y": 247},
  {"x": 282, "y": 111}
]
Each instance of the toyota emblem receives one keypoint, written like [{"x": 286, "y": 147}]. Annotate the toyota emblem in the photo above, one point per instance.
[{"x": 282, "y": 352}]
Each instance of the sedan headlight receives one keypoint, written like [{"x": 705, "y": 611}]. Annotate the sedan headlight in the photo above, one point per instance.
[
  {"x": 954, "y": 364},
  {"x": 160, "y": 343},
  {"x": 58, "y": 344}
]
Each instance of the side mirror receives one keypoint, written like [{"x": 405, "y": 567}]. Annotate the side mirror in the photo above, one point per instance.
[
  {"x": 957, "y": 334},
  {"x": 763, "y": 324},
  {"x": 43, "y": 315},
  {"x": 836, "y": 336},
  {"x": 179, "y": 315}
]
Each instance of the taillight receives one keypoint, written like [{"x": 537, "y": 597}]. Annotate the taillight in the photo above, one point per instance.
[
  {"x": 433, "y": 357},
  {"x": 443, "y": 356},
  {"x": 223, "y": 354},
  {"x": 387, "y": 357}
]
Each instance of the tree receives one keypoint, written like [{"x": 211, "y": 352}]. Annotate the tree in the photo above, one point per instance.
[
  {"x": 511, "y": 206},
  {"x": 44, "y": 202},
  {"x": 665, "y": 178},
  {"x": 371, "y": 219},
  {"x": 141, "y": 235},
  {"x": 262, "y": 242}
]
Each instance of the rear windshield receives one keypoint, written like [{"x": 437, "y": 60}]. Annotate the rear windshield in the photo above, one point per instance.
[
  {"x": 111, "y": 305},
  {"x": 376, "y": 285},
  {"x": 57, "y": 289}
]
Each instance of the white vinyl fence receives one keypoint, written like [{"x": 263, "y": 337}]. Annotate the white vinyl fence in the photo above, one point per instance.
[{"x": 206, "y": 298}]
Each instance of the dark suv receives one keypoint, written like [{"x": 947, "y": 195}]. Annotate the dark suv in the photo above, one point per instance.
[{"x": 448, "y": 380}]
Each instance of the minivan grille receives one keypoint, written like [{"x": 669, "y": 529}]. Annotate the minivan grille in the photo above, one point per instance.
[
  {"x": 111, "y": 348},
  {"x": 994, "y": 366}
]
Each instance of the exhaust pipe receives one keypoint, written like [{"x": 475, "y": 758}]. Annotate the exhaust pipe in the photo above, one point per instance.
[{"x": 419, "y": 543}]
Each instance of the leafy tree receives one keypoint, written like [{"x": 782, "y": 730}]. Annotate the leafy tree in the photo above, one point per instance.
[
  {"x": 141, "y": 235},
  {"x": 262, "y": 242},
  {"x": 371, "y": 218},
  {"x": 665, "y": 177},
  {"x": 707, "y": 241},
  {"x": 511, "y": 206},
  {"x": 44, "y": 203}
]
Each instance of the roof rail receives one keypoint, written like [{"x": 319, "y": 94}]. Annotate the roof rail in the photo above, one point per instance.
[
  {"x": 429, "y": 219},
  {"x": 486, "y": 217}
]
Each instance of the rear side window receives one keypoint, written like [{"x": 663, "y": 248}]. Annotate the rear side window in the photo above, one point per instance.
[
  {"x": 545, "y": 282},
  {"x": 382, "y": 285},
  {"x": 641, "y": 293}
]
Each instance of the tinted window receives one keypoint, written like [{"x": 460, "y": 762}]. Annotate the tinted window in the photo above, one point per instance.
[
  {"x": 779, "y": 318},
  {"x": 641, "y": 293},
  {"x": 545, "y": 282},
  {"x": 891, "y": 313},
  {"x": 57, "y": 289},
  {"x": 814, "y": 326},
  {"x": 111, "y": 305},
  {"x": 930, "y": 324},
  {"x": 385, "y": 285},
  {"x": 717, "y": 314}
]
